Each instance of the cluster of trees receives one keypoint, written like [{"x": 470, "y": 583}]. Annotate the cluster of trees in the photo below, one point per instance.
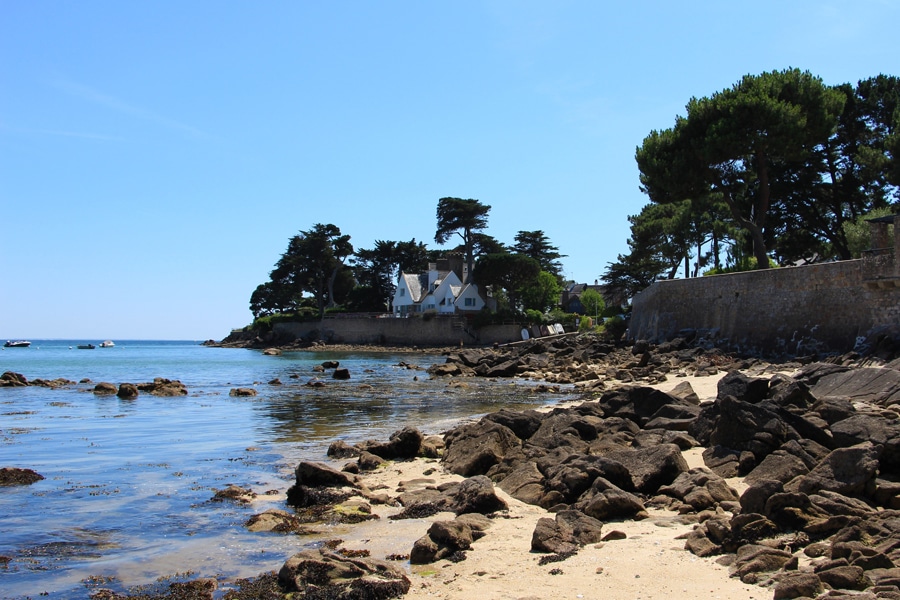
[
  {"x": 779, "y": 169},
  {"x": 320, "y": 268}
]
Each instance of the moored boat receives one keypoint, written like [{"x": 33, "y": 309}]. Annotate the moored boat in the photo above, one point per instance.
[
  {"x": 107, "y": 344},
  {"x": 86, "y": 346},
  {"x": 17, "y": 344}
]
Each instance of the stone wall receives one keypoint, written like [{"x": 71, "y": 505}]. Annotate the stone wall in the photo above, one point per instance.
[
  {"x": 414, "y": 331},
  {"x": 798, "y": 310}
]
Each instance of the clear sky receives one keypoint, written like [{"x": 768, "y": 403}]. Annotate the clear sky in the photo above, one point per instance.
[{"x": 155, "y": 157}]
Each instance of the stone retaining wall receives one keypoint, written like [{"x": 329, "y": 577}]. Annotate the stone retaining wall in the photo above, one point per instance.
[
  {"x": 798, "y": 310},
  {"x": 414, "y": 331}
]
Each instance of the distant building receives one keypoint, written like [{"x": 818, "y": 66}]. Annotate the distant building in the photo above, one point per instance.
[
  {"x": 440, "y": 289},
  {"x": 570, "y": 299}
]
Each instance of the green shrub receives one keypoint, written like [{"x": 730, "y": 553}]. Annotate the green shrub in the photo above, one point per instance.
[{"x": 615, "y": 327}]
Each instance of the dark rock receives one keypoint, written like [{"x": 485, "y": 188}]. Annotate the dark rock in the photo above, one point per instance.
[
  {"x": 324, "y": 574},
  {"x": 651, "y": 468},
  {"x": 798, "y": 585},
  {"x": 276, "y": 521},
  {"x": 402, "y": 444},
  {"x": 742, "y": 387},
  {"x": 722, "y": 461},
  {"x": 754, "y": 498},
  {"x": 565, "y": 533},
  {"x": 779, "y": 465},
  {"x": 525, "y": 483},
  {"x": 753, "y": 560},
  {"x": 341, "y": 449},
  {"x": 861, "y": 428},
  {"x": 10, "y": 379},
  {"x": 879, "y": 386},
  {"x": 127, "y": 391},
  {"x": 474, "y": 448},
  {"x": 574, "y": 475},
  {"x": 787, "y": 392},
  {"x": 104, "y": 388},
  {"x": 341, "y": 373},
  {"x": 523, "y": 424},
  {"x": 832, "y": 410},
  {"x": 846, "y": 578},
  {"x": 605, "y": 501},
  {"x": 312, "y": 481},
  {"x": 476, "y": 495},
  {"x": 684, "y": 391},
  {"x": 745, "y": 426},
  {"x": 369, "y": 462},
  {"x": 847, "y": 471},
  {"x": 242, "y": 392},
  {"x": 16, "y": 476},
  {"x": 330, "y": 364}
]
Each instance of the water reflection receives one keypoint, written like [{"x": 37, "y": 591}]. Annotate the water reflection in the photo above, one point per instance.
[{"x": 128, "y": 483}]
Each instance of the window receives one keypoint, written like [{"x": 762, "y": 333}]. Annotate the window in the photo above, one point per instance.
[
  {"x": 470, "y": 301},
  {"x": 402, "y": 292}
]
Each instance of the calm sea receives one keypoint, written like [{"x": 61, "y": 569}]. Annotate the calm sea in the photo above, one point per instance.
[{"x": 128, "y": 484}]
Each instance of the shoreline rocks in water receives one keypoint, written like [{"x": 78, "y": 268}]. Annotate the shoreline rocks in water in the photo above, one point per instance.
[
  {"x": 798, "y": 492},
  {"x": 818, "y": 452}
]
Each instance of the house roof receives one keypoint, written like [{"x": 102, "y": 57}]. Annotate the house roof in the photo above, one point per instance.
[
  {"x": 418, "y": 284},
  {"x": 415, "y": 284}
]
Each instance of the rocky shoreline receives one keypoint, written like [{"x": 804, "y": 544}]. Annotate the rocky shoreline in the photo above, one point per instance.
[{"x": 783, "y": 479}]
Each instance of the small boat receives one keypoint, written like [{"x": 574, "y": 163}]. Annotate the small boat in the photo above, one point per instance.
[
  {"x": 86, "y": 346},
  {"x": 17, "y": 344},
  {"x": 107, "y": 344}
]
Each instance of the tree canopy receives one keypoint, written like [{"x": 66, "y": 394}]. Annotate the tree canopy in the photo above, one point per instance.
[
  {"x": 774, "y": 170},
  {"x": 311, "y": 264},
  {"x": 464, "y": 218},
  {"x": 513, "y": 273},
  {"x": 536, "y": 245}
]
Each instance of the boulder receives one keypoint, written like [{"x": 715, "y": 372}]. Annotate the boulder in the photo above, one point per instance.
[
  {"x": 10, "y": 379},
  {"x": 651, "y": 468},
  {"x": 275, "y": 521},
  {"x": 127, "y": 391},
  {"x": 565, "y": 533},
  {"x": 525, "y": 483},
  {"x": 15, "y": 476},
  {"x": 104, "y": 387},
  {"x": 780, "y": 465},
  {"x": 403, "y": 444},
  {"x": 605, "y": 501},
  {"x": 876, "y": 385},
  {"x": 743, "y": 387},
  {"x": 476, "y": 495},
  {"x": 523, "y": 424},
  {"x": 341, "y": 449},
  {"x": 798, "y": 585},
  {"x": 341, "y": 373},
  {"x": 324, "y": 574},
  {"x": 242, "y": 392},
  {"x": 847, "y": 471},
  {"x": 474, "y": 448},
  {"x": 753, "y": 560},
  {"x": 861, "y": 428},
  {"x": 444, "y": 539},
  {"x": 740, "y": 426}
]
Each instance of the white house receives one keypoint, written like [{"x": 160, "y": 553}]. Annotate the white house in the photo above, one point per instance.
[{"x": 439, "y": 290}]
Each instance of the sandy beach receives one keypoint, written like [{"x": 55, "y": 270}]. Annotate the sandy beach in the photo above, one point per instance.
[{"x": 649, "y": 562}]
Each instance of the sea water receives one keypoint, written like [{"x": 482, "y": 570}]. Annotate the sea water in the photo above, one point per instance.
[{"x": 129, "y": 484}]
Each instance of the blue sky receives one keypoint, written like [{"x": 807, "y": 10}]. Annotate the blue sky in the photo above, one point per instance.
[{"x": 155, "y": 157}]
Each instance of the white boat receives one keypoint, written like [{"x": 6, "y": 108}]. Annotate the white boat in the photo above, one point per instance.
[
  {"x": 107, "y": 344},
  {"x": 17, "y": 344}
]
